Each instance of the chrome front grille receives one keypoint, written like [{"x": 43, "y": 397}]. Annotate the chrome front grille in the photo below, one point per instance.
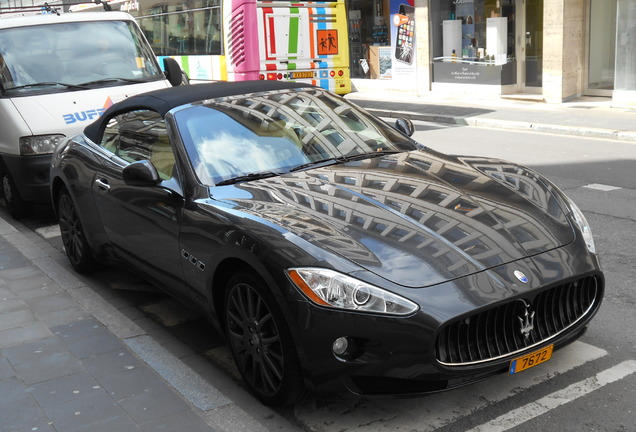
[{"x": 501, "y": 331}]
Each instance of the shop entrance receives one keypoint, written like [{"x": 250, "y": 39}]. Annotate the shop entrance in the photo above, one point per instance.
[
  {"x": 602, "y": 54},
  {"x": 367, "y": 27},
  {"x": 530, "y": 46}
]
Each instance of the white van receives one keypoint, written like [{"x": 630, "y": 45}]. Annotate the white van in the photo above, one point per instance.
[{"x": 58, "y": 73}]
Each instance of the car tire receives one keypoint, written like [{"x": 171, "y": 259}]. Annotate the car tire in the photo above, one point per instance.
[
  {"x": 260, "y": 341},
  {"x": 74, "y": 240},
  {"x": 16, "y": 206}
]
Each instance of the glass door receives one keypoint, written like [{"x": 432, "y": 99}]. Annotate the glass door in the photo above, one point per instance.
[
  {"x": 533, "y": 35},
  {"x": 602, "y": 51}
]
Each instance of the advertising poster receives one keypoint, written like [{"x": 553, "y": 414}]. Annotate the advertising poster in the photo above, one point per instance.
[{"x": 403, "y": 40}]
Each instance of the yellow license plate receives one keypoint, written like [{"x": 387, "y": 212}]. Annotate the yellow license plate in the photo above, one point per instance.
[
  {"x": 298, "y": 75},
  {"x": 531, "y": 360}
]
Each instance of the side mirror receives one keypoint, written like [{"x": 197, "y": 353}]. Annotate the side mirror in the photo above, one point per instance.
[
  {"x": 141, "y": 173},
  {"x": 405, "y": 126},
  {"x": 173, "y": 71}
]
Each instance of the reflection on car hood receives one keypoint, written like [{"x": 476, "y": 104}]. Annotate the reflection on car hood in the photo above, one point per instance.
[{"x": 418, "y": 218}]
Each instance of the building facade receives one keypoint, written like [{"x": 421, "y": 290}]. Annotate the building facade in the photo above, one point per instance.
[{"x": 551, "y": 50}]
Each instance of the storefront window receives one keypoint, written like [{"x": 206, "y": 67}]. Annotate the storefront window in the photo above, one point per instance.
[
  {"x": 602, "y": 44},
  {"x": 474, "y": 34},
  {"x": 367, "y": 28},
  {"x": 625, "y": 48}
]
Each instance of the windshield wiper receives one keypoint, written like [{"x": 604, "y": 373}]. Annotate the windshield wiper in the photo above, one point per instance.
[
  {"x": 342, "y": 159},
  {"x": 48, "y": 84},
  {"x": 247, "y": 177},
  {"x": 371, "y": 154},
  {"x": 113, "y": 80},
  {"x": 319, "y": 163}
]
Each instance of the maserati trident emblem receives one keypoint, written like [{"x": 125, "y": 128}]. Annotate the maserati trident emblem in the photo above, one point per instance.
[
  {"x": 522, "y": 277},
  {"x": 526, "y": 321}
]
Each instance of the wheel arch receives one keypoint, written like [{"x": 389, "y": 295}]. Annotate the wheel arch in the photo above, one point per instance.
[
  {"x": 232, "y": 265},
  {"x": 56, "y": 186},
  {"x": 292, "y": 386}
]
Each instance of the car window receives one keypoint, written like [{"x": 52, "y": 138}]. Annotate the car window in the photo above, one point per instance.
[
  {"x": 140, "y": 135},
  {"x": 277, "y": 132}
]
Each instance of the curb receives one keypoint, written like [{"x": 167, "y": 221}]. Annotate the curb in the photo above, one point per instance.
[
  {"x": 609, "y": 134},
  {"x": 219, "y": 411}
]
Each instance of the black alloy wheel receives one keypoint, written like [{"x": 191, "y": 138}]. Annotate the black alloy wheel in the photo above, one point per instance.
[
  {"x": 260, "y": 341},
  {"x": 73, "y": 237}
]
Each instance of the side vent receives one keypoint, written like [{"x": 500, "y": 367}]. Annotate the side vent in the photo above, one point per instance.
[{"x": 237, "y": 38}]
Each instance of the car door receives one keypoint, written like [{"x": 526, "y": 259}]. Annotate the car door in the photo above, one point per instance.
[{"x": 142, "y": 222}]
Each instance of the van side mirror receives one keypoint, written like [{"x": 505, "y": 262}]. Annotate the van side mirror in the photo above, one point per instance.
[
  {"x": 405, "y": 126},
  {"x": 173, "y": 71}
]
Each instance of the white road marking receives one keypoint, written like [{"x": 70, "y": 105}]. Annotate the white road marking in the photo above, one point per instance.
[
  {"x": 49, "y": 231},
  {"x": 534, "y": 409},
  {"x": 602, "y": 187},
  {"x": 431, "y": 412}
]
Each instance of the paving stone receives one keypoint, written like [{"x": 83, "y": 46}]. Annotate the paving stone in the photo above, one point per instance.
[
  {"x": 111, "y": 363},
  {"x": 66, "y": 388},
  {"x": 18, "y": 335},
  {"x": 39, "y": 290},
  {"x": 6, "y": 370},
  {"x": 5, "y": 293},
  {"x": 53, "y": 302},
  {"x": 10, "y": 257},
  {"x": 34, "y": 281},
  {"x": 84, "y": 413},
  {"x": 183, "y": 421},
  {"x": 12, "y": 389},
  {"x": 12, "y": 305},
  {"x": 28, "y": 351},
  {"x": 23, "y": 415},
  {"x": 117, "y": 424},
  {"x": 40, "y": 361},
  {"x": 131, "y": 382},
  {"x": 78, "y": 330},
  {"x": 94, "y": 345},
  {"x": 61, "y": 369},
  {"x": 153, "y": 403},
  {"x": 16, "y": 318},
  {"x": 20, "y": 273},
  {"x": 64, "y": 316}
]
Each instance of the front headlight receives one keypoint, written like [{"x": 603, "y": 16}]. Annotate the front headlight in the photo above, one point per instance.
[
  {"x": 40, "y": 144},
  {"x": 332, "y": 289},
  {"x": 584, "y": 227}
]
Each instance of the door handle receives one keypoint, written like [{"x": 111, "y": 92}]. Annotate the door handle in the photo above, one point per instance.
[{"x": 102, "y": 184}]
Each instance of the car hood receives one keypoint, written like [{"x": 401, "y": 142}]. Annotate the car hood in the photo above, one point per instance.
[{"x": 416, "y": 219}]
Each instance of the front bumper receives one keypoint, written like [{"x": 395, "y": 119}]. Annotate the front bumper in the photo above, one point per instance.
[
  {"x": 401, "y": 355},
  {"x": 31, "y": 176}
]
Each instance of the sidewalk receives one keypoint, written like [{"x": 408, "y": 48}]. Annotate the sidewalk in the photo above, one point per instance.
[
  {"x": 70, "y": 361},
  {"x": 591, "y": 117}
]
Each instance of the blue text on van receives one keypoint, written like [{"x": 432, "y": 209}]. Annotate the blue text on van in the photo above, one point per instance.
[{"x": 83, "y": 115}]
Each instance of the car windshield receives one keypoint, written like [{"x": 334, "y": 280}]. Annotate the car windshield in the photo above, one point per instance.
[
  {"x": 240, "y": 138},
  {"x": 74, "y": 55}
]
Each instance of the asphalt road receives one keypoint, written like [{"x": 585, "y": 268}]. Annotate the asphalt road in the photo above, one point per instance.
[{"x": 588, "y": 386}]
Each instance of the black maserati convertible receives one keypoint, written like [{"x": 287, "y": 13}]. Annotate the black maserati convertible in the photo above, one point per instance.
[{"x": 332, "y": 250}]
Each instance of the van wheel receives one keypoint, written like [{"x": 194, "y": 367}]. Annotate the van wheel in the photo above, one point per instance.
[{"x": 17, "y": 207}]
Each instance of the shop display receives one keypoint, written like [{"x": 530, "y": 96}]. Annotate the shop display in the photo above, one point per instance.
[
  {"x": 496, "y": 41},
  {"x": 405, "y": 22},
  {"x": 452, "y": 38}
]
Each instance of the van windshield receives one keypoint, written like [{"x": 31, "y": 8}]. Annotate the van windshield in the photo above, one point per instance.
[{"x": 74, "y": 55}]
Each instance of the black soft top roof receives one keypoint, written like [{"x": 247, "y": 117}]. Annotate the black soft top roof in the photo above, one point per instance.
[{"x": 164, "y": 100}]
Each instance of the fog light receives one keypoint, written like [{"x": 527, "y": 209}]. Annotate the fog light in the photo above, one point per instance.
[{"x": 340, "y": 346}]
